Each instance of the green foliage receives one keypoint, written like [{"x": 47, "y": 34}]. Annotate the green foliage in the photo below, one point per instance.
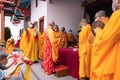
[{"x": 7, "y": 33}]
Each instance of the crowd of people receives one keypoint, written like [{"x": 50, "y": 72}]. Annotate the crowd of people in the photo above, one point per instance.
[
  {"x": 99, "y": 46},
  {"x": 44, "y": 46},
  {"x": 4, "y": 66}
]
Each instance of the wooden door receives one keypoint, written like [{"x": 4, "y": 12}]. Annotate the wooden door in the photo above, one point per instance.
[{"x": 41, "y": 24}]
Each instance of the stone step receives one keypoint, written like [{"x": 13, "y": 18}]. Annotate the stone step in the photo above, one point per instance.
[{"x": 37, "y": 73}]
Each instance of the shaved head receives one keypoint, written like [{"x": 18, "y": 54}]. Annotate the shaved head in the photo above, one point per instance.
[
  {"x": 100, "y": 13},
  {"x": 29, "y": 22},
  {"x": 83, "y": 21},
  {"x": 51, "y": 23},
  {"x": 116, "y": 4}
]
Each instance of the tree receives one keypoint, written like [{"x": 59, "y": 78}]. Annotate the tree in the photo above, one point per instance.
[{"x": 7, "y": 33}]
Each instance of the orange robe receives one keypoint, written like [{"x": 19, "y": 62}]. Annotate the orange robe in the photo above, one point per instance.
[
  {"x": 54, "y": 43},
  {"x": 50, "y": 50},
  {"x": 58, "y": 36},
  {"x": 31, "y": 45},
  {"x": 105, "y": 53},
  {"x": 84, "y": 68},
  {"x": 91, "y": 38},
  {"x": 10, "y": 45},
  {"x": 63, "y": 39},
  {"x": 23, "y": 41},
  {"x": 41, "y": 44},
  {"x": 104, "y": 19},
  {"x": 70, "y": 37}
]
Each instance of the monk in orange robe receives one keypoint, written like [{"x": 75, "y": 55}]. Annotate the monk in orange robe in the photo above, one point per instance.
[
  {"x": 41, "y": 44},
  {"x": 29, "y": 44},
  {"x": 10, "y": 45},
  {"x": 105, "y": 55},
  {"x": 23, "y": 40},
  {"x": 84, "y": 68},
  {"x": 58, "y": 35},
  {"x": 50, "y": 49},
  {"x": 71, "y": 38},
  {"x": 31, "y": 48},
  {"x": 92, "y": 36},
  {"x": 64, "y": 38}
]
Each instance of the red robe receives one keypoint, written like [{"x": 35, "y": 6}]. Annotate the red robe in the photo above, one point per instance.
[{"x": 47, "y": 57}]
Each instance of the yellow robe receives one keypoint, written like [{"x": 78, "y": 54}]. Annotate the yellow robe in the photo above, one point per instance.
[
  {"x": 63, "y": 39},
  {"x": 58, "y": 36},
  {"x": 10, "y": 47},
  {"x": 41, "y": 44},
  {"x": 105, "y": 55},
  {"x": 91, "y": 39},
  {"x": 31, "y": 46},
  {"x": 70, "y": 37},
  {"x": 23, "y": 41},
  {"x": 104, "y": 20},
  {"x": 84, "y": 68},
  {"x": 54, "y": 42}
]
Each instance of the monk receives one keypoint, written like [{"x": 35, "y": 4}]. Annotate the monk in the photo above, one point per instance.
[
  {"x": 105, "y": 55},
  {"x": 101, "y": 16},
  {"x": 50, "y": 48},
  {"x": 64, "y": 38},
  {"x": 41, "y": 44},
  {"x": 71, "y": 38},
  {"x": 10, "y": 45},
  {"x": 97, "y": 26},
  {"x": 58, "y": 35},
  {"x": 31, "y": 48},
  {"x": 23, "y": 40},
  {"x": 84, "y": 67},
  {"x": 29, "y": 44}
]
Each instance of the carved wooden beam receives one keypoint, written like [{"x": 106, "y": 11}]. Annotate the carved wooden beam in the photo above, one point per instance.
[
  {"x": 9, "y": 1},
  {"x": 85, "y": 3}
]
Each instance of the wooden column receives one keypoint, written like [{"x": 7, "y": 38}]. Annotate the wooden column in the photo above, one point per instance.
[{"x": 2, "y": 21}]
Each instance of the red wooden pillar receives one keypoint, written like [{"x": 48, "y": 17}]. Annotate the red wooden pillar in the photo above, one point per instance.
[{"x": 2, "y": 21}]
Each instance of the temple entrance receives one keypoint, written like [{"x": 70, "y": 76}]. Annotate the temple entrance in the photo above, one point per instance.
[
  {"x": 41, "y": 24},
  {"x": 92, "y": 8}
]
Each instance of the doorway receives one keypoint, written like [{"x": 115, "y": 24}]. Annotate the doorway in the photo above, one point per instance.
[{"x": 41, "y": 24}]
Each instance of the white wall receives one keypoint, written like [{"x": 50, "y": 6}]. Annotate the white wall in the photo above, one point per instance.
[
  {"x": 67, "y": 13},
  {"x": 39, "y": 11}
]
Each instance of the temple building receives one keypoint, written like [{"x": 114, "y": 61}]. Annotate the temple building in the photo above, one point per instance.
[{"x": 65, "y": 13}]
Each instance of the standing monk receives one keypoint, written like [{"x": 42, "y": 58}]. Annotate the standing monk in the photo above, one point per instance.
[
  {"x": 71, "y": 38},
  {"x": 58, "y": 35},
  {"x": 41, "y": 44},
  {"x": 64, "y": 38},
  {"x": 50, "y": 55},
  {"x": 84, "y": 64},
  {"x": 31, "y": 46},
  {"x": 23, "y": 40},
  {"x": 105, "y": 55}
]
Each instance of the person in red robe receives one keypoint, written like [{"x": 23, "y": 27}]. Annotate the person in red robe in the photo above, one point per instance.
[{"x": 48, "y": 63}]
